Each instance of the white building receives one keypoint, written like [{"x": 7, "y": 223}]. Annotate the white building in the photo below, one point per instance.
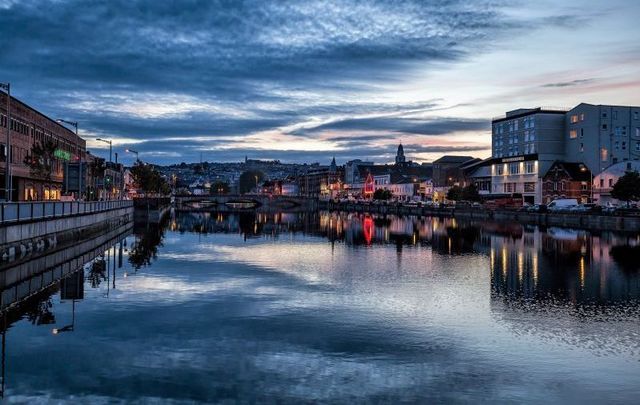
[{"x": 603, "y": 182}]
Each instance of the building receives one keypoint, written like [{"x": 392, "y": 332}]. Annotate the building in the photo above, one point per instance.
[
  {"x": 604, "y": 181},
  {"x": 447, "y": 170},
  {"x": 567, "y": 180},
  {"x": 29, "y": 127},
  {"x": 321, "y": 181},
  {"x": 525, "y": 143},
  {"x": 602, "y": 135}
]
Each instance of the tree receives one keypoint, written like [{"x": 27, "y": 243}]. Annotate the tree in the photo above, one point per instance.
[
  {"x": 455, "y": 193},
  {"x": 470, "y": 193},
  {"x": 382, "y": 194},
  {"x": 249, "y": 180},
  {"x": 149, "y": 180},
  {"x": 40, "y": 160},
  {"x": 627, "y": 188}
]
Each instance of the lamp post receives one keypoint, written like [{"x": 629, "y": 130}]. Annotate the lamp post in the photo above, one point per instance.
[
  {"x": 75, "y": 125},
  {"x": 7, "y": 170},
  {"x": 584, "y": 168},
  {"x": 110, "y": 146},
  {"x": 134, "y": 152}
]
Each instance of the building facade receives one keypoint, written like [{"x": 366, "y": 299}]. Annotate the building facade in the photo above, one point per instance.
[
  {"x": 567, "y": 180},
  {"x": 602, "y": 135},
  {"x": 29, "y": 127}
]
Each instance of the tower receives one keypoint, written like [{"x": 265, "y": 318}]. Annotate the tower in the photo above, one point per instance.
[{"x": 400, "y": 155}]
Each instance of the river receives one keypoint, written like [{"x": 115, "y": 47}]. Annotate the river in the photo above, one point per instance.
[{"x": 329, "y": 307}]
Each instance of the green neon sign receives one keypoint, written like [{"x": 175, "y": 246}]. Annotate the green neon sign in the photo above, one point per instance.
[{"x": 61, "y": 154}]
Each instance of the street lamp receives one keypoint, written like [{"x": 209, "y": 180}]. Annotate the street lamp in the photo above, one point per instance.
[
  {"x": 110, "y": 145},
  {"x": 75, "y": 125},
  {"x": 133, "y": 151},
  {"x": 7, "y": 170},
  {"x": 583, "y": 168}
]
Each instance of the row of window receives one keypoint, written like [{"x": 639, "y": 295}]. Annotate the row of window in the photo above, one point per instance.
[
  {"x": 38, "y": 134},
  {"x": 528, "y": 167},
  {"x": 511, "y": 126}
]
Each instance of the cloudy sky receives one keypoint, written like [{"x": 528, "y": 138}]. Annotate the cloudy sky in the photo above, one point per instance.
[{"x": 308, "y": 80}]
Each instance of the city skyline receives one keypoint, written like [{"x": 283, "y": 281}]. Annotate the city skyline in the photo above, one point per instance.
[{"x": 306, "y": 82}]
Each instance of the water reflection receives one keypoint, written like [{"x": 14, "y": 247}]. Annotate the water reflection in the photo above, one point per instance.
[
  {"x": 306, "y": 307},
  {"x": 527, "y": 262}
]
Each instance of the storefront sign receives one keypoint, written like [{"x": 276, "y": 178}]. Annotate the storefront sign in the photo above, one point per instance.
[{"x": 62, "y": 154}]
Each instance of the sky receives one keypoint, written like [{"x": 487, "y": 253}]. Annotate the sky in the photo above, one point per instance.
[{"x": 303, "y": 81}]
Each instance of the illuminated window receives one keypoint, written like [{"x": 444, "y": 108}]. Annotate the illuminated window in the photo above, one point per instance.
[
  {"x": 604, "y": 154},
  {"x": 529, "y": 167},
  {"x": 574, "y": 119},
  {"x": 573, "y": 134},
  {"x": 514, "y": 168},
  {"x": 582, "y": 117},
  {"x": 529, "y": 187}
]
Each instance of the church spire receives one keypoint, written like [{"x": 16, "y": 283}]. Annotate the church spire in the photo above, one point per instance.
[{"x": 400, "y": 154}]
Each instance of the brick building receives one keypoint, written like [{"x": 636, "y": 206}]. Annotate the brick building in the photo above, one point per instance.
[
  {"x": 566, "y": 180},
  {"x": 27, "y": 128}
]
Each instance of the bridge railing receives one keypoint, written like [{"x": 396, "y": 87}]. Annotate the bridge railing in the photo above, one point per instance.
[{"x": 37, "y": 210}]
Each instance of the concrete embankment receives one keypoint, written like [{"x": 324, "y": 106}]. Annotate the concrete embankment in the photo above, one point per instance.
[
  {"x": 28, "y": 236},
  {"x": 563, "y": 219},
  {"x": 19, "y": 281}
]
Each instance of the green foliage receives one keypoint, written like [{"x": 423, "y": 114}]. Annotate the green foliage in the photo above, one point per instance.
[
  {"x": 455, "y": 193},
  {"x": 149, "y": 180},
  {"x": 382, "y": 194},
  {"x": 40, "y": 160},
  {"x": 627, "y": 188},
  {"x": 470, "y": 193},
  {"x": 249, "y": 179}
]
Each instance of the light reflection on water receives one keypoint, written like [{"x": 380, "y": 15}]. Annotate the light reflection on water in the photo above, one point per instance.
[{"x": 339, "y": 307}]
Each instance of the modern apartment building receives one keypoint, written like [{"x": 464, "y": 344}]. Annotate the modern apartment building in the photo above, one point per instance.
[
  {"x": 602, "y": 135},
  {"x": 525, "y": 143},
  {"x": 28, "y": 127}
]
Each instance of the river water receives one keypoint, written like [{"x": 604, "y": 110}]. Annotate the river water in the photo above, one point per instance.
[{"x": 328, "y": 307}]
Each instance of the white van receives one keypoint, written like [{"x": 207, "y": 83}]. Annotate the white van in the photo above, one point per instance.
[{"x": 562, "y": 204}]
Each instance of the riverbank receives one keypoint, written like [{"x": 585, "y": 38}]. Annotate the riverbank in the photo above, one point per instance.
[{"x": 590, "y": 221}]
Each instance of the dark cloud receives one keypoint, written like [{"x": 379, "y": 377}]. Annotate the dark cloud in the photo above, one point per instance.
[
  {"x": 418, "y": 126},
  {"x": 571, "y": 83},
  {"x": 268, "y": 64}
]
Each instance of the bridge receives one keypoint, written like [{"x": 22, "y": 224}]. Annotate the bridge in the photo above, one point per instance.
[{"x": 233, "y": 202}]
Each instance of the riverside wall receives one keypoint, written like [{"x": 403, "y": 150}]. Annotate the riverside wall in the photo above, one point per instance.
[{"x": 591, "y": 221}]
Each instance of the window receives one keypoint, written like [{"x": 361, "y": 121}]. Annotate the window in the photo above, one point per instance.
[
  {"x": 582, "y": 147},
  {"x": 583, "y": 186},
  {"x": 604, "y": 154},
  {"x": 637, "y": 146},
  {"x": 509, "y": 187},
  {"x": 500, "y": 170},
  {"x": 574, "y": 118},
  {"x": 617, "y": 131},
  {"x": 530, "y": 167},
  {"x": 581, "y": 132},
  {"x": 617, "y": 145},
  {"x": 530, "y": 187},
  {"x": 514, "y": 168},
  {"x": 615, "y": 115},
  {"x": 624, "y": 145},
  {"x": 610, "y": 182},
  {"x": 581, "y": 116},
  {"x": 604, "y": 127},
  {"x": 604, "y": 114},
  {"x": 638, "y": 132},
  {"x": 635, "y": 115},
  {"x": 573, "y": 134},
  {"x": 601, "y": 183}
]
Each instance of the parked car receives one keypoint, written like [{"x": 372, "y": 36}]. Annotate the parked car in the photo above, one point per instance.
[
  {"x": 537, "y": 208},
  {"x": 589, "y": 207},
  {"x": 562, "y": 204}
]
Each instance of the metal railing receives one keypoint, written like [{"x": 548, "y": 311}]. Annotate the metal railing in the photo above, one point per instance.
[{"x": 13, "y": 212}]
